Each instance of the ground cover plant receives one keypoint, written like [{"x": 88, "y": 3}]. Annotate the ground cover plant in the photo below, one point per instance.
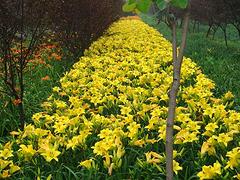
[{"x": 107, "y": 119}]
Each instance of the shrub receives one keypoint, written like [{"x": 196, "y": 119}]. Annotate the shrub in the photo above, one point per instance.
[
  {"x": 108, "y": 117},
  {"x": 21, "y": 30}
]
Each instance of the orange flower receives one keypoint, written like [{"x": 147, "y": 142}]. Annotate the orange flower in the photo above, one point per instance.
[
  {"x": 46, "y": 78},
  {"x": 50, "y": 46},
  {"x": 56, "y": 56},
  {"x": 17, "y": 89},
  {"x": 16, "y": 102},
  {"x": 40, "y": 61}
]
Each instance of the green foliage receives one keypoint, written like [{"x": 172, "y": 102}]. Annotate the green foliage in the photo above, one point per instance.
[
  {"x": 161, "y": 4},
  {"x": 144, "y": 5},
  {"x": 179, "y": 3},
  {"x": 129, "y": 7}
]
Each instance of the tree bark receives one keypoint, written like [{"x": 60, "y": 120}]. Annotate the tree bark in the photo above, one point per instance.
[
  {"x": 209, "y": 30},
  {"x": 177, "y": 63},
  {"x": 171, "y": 111},
  {"x": 22, "y": 62},
  {"x": 194, "y": 26}
]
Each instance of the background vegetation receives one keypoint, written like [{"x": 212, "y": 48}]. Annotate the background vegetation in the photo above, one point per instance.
[{"x": 218, "y": 62}]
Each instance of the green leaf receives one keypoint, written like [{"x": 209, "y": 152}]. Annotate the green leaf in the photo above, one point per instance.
[
  {"x": 179, "y": 3},
  {"x": 162, "y": 4},
  {"x": 129, "y": 7},
  {"x": 131, "y": 1},
  {"x": 144, "y": 5}
]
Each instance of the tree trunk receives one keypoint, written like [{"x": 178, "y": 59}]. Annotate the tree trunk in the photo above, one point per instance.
[
  {"x": 209, "y": 30},
  {"x": 238, "y": 32},
  {"x": 194, "y": 26},
  {"x": 21, "y": 115},
  {"x": 177, "y": 63},
  {"x": 171, "y": 111},
  {"x": 20, "y": 76}
]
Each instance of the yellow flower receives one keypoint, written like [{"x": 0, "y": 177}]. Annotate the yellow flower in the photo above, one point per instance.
[
  {"x": 184, "y": 136},
  {"x": 87, "y": 163},
  {"x": 27, "y": 151},
  {"x": 101, "y": 148},
  {"x": 209, "y": 148},
  {"x": 15, "y": 133},
  {"x": 120, "y": 152},
  {"x": 28, "y": 131},
  {"x": 228, "y": 96},
  {"x": 162, "y": 133},
  {"x": 193, "y": 126},
  {"x": 56, "y": 89},
  {"x": 153, "y": 157},
  {"x": 209, "y": 112},
  {"x": 49, "y": 152},
  {"x": 107, "y": 161},
  {"x": 105, "y": 133},
  {"x": 60, "y": 104},
  {"x": 139, "y": 143},
  {"x": 6, "y": 153},
  {"x": 4, "y": 163},
  {"x": 78, "y": 140},
  {"x": 14, "y": 168},
  {"x": 153, "y": 122},
  {"x": 237, "y": 176},
  {"x": 125, "y": 110},
  {"x": 5, "y": 174},
  {"x": 211, "y": 126},
  {"x": 210, "y": 172},
  {"x": 224, "y": 138},
  {"x": 176, "y": 167},
  {"x": 60, "y": 127},
  {"x": 234, "y": 158},
  {"x": 36, "y": 117},
  {"x": 133, "y": 129}
]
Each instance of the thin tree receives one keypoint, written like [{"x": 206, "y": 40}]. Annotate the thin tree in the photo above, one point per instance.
[
  {"x": 20, "y": 27},
  {"x": 165, "y": 7}
]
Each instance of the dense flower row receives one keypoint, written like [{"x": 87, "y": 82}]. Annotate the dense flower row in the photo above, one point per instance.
[{"x": 114, "y": 101}]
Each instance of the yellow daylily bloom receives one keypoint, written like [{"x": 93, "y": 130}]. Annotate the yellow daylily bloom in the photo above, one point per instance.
[
  {"x": 87, "y": 163},
  {"x": 234, "y": 158},
  {"x": 210, "y": 172},
  {"x": 153, "y": 157}
]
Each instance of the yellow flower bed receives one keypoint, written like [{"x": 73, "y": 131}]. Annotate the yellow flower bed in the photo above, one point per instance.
[{"x": 112, "y": 107}]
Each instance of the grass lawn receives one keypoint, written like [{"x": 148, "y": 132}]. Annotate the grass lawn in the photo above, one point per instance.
[{"x": 219, "y": 63}]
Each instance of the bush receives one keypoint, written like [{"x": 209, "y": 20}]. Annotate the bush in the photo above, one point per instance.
[
  {"x": 108, "y": 117},
  {"x": 21, "y": 30}
]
